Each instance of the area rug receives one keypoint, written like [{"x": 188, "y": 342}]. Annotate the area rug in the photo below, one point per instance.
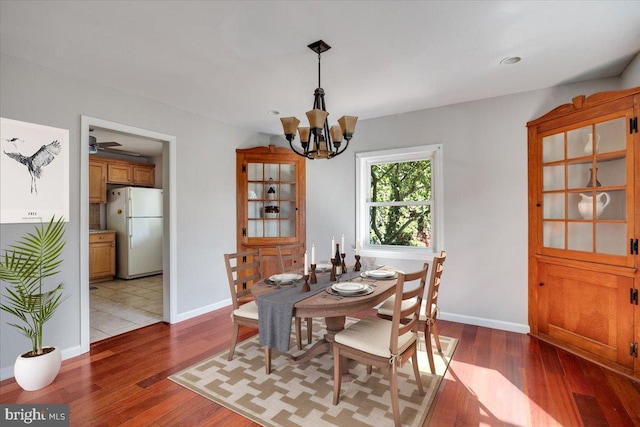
[{"x": 302, "y": 395}]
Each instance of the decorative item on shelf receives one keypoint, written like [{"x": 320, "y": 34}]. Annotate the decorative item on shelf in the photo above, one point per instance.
[
  {"x": 271, "y": 212},
  {"x": 590, "y": 182},
  {"x": 588, "y": 148},
  {"x": 271, "y": 192},
  {"x": 323, "y": 135},
  {"x": 253, "y": 195},
  {"x": 585, "y": 206}
]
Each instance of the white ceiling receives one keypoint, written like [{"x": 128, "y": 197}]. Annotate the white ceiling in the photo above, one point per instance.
[{"x": 234, "y": 61}]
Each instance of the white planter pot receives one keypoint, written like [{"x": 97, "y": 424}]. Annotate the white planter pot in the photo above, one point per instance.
[{"x": 34, "y": 373}]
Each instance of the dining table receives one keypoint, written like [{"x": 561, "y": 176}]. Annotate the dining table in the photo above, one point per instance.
[{"x": 323, "y": 302}]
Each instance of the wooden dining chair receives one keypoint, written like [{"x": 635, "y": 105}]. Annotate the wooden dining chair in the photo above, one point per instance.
[
  {"x": 429, "y": 310},
  {"x": 291, "y": 259},
  {"x": 243, "y": 268},
  {"x": 385, "y": 343}
]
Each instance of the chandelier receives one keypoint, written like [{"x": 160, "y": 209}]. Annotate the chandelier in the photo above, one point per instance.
[{"x": 319, "y": 140}]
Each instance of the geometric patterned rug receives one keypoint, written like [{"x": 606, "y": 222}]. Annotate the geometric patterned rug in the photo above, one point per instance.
[{"x": 302, "y": 395}]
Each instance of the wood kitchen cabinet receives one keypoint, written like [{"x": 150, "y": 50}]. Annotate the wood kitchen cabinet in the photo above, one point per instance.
[
  {"x": 271, "y": 204},
  {"x": 103, "y": 171},
  {"x": 102, "y": 256},
  {"x": 584, "y": 221},
  {"x": 97, "y": 182}
]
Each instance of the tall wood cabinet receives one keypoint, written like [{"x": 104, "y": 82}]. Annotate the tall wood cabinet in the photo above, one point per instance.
[
  {"x": 271, "y": 207},
  {"x": 584, "y": 224}
]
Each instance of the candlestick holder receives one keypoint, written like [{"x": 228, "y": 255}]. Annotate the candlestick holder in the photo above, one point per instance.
[
  {"x": 357, "y": 266},
  {"x": 306, "y": 287},
  {"x": 333, "y": 269},
  {"x": 312, "y": 276},
  {"x": 343, "y": 265}
]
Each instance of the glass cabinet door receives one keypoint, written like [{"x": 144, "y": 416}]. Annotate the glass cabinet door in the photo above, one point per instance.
[
  {"x": 271, "y": 200},
  {"x": 585, "y": 205}
]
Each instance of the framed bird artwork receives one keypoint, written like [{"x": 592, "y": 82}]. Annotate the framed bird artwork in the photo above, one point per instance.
[{"x": 34, "y": 172}]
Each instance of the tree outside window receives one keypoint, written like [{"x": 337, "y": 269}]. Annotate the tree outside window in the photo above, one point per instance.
[{"x": 397, "y": 210}]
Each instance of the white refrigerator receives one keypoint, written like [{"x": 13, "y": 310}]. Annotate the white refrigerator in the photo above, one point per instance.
[{"x": 135, "y": 214}]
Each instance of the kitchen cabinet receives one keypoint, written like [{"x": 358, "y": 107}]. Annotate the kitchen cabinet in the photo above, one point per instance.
[
  {"x": 104, "y": 171},
  {"x": 102, "y": 256},
  {"x": 584, "y": 221},
  {"x": 97, "y": 182},
  {"x": 271, "y": 201}
]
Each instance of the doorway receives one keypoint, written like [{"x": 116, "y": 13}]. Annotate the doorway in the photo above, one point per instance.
[{"x": 166, "y": 281}]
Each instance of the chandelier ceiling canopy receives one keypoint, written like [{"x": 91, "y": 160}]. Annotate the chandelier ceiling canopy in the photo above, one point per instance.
[{"x": 319, "y": 140}]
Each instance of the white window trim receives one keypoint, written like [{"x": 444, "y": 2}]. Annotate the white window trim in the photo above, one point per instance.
[{"x": 364, "y": 160}]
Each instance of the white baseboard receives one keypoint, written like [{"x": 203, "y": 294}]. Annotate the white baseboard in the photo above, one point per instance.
[
  {"x": 489, "y": 323},
  {"x": 203, "y": 310},
  {"x": 66, "y": 353}
]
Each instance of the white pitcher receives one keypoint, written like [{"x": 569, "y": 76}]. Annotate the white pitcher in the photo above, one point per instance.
[{"x": 585, "y": 206}]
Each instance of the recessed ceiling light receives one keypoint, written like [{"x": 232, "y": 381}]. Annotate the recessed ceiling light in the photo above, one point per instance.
[
  {"x": 273, "y": 112},
  {"x": 510, "y": 60}
]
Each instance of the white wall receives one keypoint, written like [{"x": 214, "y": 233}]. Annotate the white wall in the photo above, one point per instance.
[
  {"x": 205, "y": 194},
  {"x": 631, "y": 75},
  {"x": 485, "y": 185}
]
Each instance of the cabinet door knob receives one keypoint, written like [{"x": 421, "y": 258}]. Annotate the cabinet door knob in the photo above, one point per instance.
[{"x": 540, "y": 284}]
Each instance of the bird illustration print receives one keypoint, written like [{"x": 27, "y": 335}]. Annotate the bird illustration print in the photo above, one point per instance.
[{"x": 36, "y": 162}]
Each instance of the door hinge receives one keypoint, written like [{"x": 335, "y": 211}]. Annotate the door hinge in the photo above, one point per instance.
[
  {"x": 244, "y": 232},
  {"x": 633, "y": 349},
  {"x": 633, "y": 296},
  {"x": 633, "y": 125},
  {"x": 244, "y": 168},
  {"x": 244, "y": 259},
  {"x": 244, "y": 286},
  {"x": 633, "y": 246}
]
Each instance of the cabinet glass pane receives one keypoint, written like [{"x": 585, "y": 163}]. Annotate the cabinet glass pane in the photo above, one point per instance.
[
  {"x": 616, "y": 208},
  {"x": 254, "y": 172},
  {"x": 576, "y": 142},
  {"x": 287, "y": 172},
  {"x": 287, "y": 210},
  {"x": 553, "y": 148},
  {"x": 553, "y": 178},
  {"x": 271, "y": 228},
  {"x": 287, "y": 191},
  {"x": 553, "y": 206},
  {"x": 573, "y": 200},
  {"x": 255, "y": 228},
  {"x": 255, "y": 190},
  {"x": 612, "y": 172},
  {"x": 271, "y": 171},
  {"x": 578, "y": 176},
  {"x": 580, "y": 236},
  {"x": 611, "y": 135},
  {"x": 254, "y": 209},
  {"x": 553, "y": 234},
  {"x": 611, "y": 239},
  {"x": 288, "y": 228}
]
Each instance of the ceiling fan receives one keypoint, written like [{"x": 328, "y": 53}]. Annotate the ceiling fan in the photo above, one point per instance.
[{"x": 95, "y": 146}]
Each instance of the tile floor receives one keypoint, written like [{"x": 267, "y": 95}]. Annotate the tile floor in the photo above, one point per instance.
[{"x": 119, "y": 306}]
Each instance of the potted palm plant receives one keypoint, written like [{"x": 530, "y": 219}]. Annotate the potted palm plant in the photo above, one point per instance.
[{"x": 24, "y": 265}]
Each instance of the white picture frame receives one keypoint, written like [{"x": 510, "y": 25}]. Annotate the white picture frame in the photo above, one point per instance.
[{"x": 34, "y": 172}]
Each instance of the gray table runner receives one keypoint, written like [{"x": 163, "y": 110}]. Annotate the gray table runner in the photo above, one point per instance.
[{"x": 276, "y": 308}]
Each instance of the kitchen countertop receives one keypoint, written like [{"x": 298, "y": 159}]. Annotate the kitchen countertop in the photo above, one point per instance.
[{"x": 92, "y": 231}]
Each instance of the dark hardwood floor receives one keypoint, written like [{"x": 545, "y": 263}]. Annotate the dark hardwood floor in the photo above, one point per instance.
[{"x": 496, "y": 378}]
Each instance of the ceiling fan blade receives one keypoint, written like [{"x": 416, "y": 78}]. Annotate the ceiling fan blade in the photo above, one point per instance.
[
  {"x": 122, "y": 152},
  {"x": 109, "y": 144}
]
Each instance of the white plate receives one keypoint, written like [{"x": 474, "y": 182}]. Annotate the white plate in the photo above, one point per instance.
[
  {"x": 349, "y": 287},
  {"x": 285, "y": 277},
  {"x": 379, "y": 273}
]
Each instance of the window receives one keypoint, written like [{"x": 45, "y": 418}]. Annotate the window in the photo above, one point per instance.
[{"x": 398, "y": 208}]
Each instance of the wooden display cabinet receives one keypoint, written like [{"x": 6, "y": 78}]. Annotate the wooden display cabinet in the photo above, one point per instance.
[
  {"x": 270, "y": 185},
  {"x": 102, "y": 256},
  {"x": 584, "y": 220}
]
